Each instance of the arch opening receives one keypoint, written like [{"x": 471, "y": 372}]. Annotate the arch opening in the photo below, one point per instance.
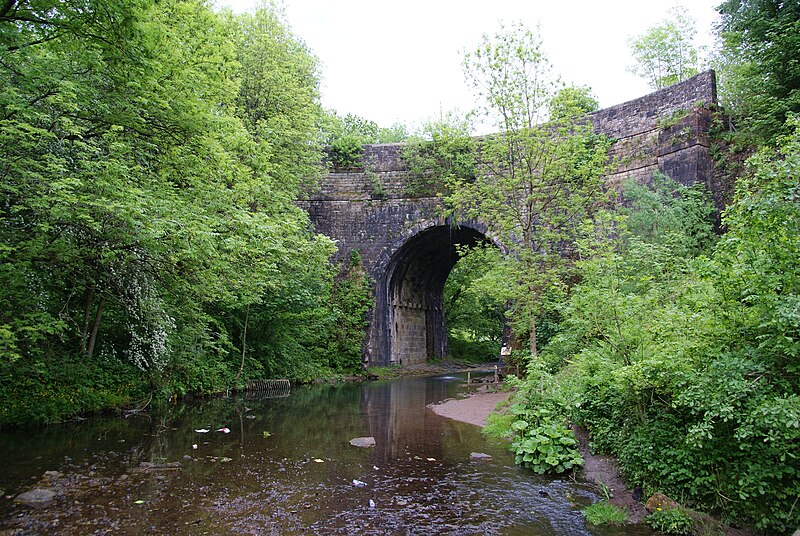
[{"x": 410, "y": 301}]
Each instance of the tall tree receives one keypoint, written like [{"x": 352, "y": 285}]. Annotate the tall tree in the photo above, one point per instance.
[
  {"x": 760, "y": 71},
  {"x": 536, "y": 180},
  {"x": 665, "y": 54},
  {"x": 147, "y": 203}
]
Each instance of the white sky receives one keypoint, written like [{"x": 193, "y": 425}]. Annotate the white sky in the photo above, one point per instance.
[{"x": 400, "y": 61}]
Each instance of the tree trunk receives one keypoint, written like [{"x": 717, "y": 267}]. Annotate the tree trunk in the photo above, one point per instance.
[
  {"x": 87, "y": 313},
  {"x": 244, "y": 344},
  {"x": 534, "y": 350},
  {"x": 95, "y": 328}
]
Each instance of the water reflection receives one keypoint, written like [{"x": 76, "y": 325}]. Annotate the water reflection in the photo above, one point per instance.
[{"x": 286, "y": 467}]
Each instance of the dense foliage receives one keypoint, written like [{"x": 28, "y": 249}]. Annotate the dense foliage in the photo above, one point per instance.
[
  {"x": 677, "y": 348},
  {"x": 758, "y": 63},
  {"x": 151, "y": 156},
  {"x": 679, "y": 352}
]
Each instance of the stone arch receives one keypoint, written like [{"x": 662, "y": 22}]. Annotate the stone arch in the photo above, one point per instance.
[{"x": 408, "y": 322}]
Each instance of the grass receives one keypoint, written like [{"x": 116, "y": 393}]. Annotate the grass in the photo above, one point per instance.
[{"x": 605, "y": 513}]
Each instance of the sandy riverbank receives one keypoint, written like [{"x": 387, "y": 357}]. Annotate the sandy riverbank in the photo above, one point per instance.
[{"x": 473, "y": 410}]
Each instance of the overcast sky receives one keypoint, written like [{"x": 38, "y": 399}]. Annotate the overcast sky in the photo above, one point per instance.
[{"x": 400, "y": 61}]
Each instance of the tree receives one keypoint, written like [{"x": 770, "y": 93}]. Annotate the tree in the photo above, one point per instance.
[
  {"x": 571, "y": 103},
  {"x": 346, "y": 137},
  {"x": 442, "y": 151},
  {"x": 354, "y": 126},
  {"x": 538, "y": 179},
  {"x": 152, "y": 153},
  {"x": 760, "y": 71},
  {"x": 665, "y": 54}
]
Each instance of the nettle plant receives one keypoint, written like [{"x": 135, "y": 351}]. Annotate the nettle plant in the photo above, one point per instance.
[{"x": 542, "y": 441}]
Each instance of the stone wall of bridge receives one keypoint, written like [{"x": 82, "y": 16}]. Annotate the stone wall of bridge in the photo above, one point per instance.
[{"x": 408, "y": 248}]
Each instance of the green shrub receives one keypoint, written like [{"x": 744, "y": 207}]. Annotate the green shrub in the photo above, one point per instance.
[
  {"x": 346, "y": 152},
  {"x": 671, "y": 521},
  {"x": 543, "y": 443}
]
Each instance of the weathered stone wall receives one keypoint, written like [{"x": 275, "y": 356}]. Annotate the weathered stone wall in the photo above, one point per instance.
[
  {"x": 665, "y": 131},
  {"x": 408, "y": 249}
]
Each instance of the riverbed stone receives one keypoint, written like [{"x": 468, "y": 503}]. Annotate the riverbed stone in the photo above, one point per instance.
[
  {"x": 36, "y": 497},
  {"x": 363, "y": 442}
]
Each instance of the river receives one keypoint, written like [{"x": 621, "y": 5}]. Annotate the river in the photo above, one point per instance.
[{"x": 286, "y": 466}]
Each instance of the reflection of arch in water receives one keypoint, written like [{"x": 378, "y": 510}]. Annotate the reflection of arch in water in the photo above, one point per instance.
[
  {"x": 409, "y": 324},
  {"x": 396, "y": 415}
]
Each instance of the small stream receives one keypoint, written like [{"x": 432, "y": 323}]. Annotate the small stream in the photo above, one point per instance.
[{"x": 286, "y": 467}]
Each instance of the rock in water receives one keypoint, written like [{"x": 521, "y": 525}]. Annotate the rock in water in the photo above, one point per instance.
[
  {"x": 479, "y": 456},
  {"x": 363, "y": 442},
  {"x": 36, "y": 497}
]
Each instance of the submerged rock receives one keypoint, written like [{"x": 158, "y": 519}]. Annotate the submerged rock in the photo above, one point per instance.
[
  {"x": 363, "y": 442},
  {"x": 36, "y": 497}
]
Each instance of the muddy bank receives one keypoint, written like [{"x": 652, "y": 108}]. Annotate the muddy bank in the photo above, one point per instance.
[{"x": 603, "y": 471}]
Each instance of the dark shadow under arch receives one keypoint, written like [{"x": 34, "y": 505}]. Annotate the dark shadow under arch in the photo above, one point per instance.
[{"x": 409, "y": 323}]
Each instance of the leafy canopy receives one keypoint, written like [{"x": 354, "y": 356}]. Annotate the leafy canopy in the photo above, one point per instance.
[
  {"x": 758, "y": 60},
  {"x": 152, "y": 154},
  {"x": 665, "y": 54}
]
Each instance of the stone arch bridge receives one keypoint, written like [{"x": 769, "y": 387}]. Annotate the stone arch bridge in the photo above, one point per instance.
[{"x": 409, "y": 250}]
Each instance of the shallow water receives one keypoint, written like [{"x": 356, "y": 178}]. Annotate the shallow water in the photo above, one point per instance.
[{"x": 286, "y": 467}]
